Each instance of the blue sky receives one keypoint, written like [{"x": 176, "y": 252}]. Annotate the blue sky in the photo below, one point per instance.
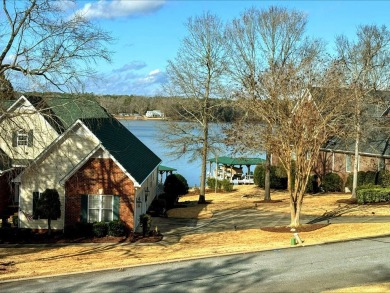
[{"x": 148, "y": 33}]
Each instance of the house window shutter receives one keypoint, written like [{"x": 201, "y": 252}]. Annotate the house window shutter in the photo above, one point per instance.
[
  {"x": 30, "y": 138},
  {"x": 84, "y": 209},
  {"x": 115, "y": 209},
  {"x": 14, "y": 139},
  {"x": 35, "y": 205}
]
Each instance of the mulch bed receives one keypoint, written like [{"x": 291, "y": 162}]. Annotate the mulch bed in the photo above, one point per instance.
[
  {"x": 268, "y": 201},
  {"x": 7, "y": 267},
  {"x": 302, "y": 228},
  {"x": 59, "y": 238}
]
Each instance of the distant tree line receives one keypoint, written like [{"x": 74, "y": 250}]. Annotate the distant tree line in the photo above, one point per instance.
[{"x": 134, "y": 104}]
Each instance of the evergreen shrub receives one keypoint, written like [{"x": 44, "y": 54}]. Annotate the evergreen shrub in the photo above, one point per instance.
[
  {"x": 116, "y": 228},
  {"x": 100, "y": 229},
  {"x": 278, "y": 176},
  {"x": 211, "y": 183},
  {"x": 384, "y": 178},
  {"x": 373, "y": 195},
  {"x": 332, "y": 182},
  {"x": 226, "y": 185}
]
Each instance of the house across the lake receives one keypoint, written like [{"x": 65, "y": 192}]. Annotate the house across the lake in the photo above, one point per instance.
[{"x": 154, "y": 114}]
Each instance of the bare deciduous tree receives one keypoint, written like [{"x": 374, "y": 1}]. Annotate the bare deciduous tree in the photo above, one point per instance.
[
  {"x": 196, "y": 74},
  {"x": 44, "y": 41},
  {"x": 277, "y": 69},
  {"x": 365, "y": 64}
]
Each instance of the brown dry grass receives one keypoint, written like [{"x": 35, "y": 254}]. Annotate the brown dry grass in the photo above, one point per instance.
[{"x": 40, "y": 261}]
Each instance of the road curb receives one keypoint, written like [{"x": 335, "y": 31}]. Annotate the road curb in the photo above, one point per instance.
[{"x": 121, "y": 268}]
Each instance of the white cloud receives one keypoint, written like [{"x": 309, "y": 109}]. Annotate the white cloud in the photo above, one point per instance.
[
  {"x": 128, "y": 82},
  {"x": 119, "y": 8},
  {"x": 155, "y": 76}
]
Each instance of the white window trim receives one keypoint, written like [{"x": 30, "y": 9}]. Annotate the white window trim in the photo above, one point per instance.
[
  {"x": 21, "y": 138},
  {"x": 101, "y": 206},
  {"x": 348, "y": 157}
]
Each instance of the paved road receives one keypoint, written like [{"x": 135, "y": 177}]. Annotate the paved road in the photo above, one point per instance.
[{"x": 300, "y": 269}]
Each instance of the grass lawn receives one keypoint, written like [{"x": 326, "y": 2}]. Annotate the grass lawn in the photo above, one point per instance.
[{"x": 31, "y": 261}]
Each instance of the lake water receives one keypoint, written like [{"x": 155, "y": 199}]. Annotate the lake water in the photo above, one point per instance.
[{"x": 147, "y": 130}]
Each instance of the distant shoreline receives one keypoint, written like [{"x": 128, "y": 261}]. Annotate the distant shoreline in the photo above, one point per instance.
[{"x": 136, "y": 118}]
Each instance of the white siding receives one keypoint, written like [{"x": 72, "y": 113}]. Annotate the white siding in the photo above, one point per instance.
[
  {"x": 48, "y": 171},
  {"x": 27, "y": 118}
]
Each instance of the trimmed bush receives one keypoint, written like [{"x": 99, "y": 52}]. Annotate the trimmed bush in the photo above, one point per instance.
[
  {"x": 278, "y": 177},
  {"x": 371, "y": 177},
  {"x": 116, "y": 228},
  {"x": 99, "y": 229},
  {"x": 363, "y": 178},
  {"x": 373, "y": 195},
  {"x": 174, "y": 186},
  {"x": 368, "y": 186},
  {"x": 384, "y": 178},
  {"x": 332, "y": 182},
  {"x": 259, "y": 175},
  {"x": 226, "y": 185}
]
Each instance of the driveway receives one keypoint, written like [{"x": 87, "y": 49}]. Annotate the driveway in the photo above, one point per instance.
[{"x": 241, "y": 219}]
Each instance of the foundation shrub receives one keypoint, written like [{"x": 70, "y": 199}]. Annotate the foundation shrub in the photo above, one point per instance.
[
  {"x": 278, "y": 177},
  {"x": 384, "y": 178},
  {"x": 100, "y": 229},
  {"x": 332, "y": 182},
  {"x": 364, "y": 178},
  {"x": 116, "y": 229}
]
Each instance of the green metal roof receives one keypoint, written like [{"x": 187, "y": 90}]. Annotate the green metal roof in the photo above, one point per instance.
[
  {"x": 138, "y": 160},
  {"x": 62, "y": 112},
  {"x": 5, "y": 104},
  {"x": 237, "y": 161},
  {"x": 166, "y": 169}
]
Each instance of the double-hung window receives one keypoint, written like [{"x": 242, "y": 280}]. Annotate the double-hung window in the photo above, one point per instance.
[
  {"x": 100, "y": 208},
  {"x": 22, "y": 138}
]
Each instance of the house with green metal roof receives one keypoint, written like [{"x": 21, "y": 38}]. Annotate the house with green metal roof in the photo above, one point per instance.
[
  {"x": 52, "y": 142},
  {"x": 101, "y": 171}
]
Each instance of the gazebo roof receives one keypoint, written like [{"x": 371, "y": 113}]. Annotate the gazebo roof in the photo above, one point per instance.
[
  {"x": 165, "y": 168},
  {"x": 229, "y": 161}
]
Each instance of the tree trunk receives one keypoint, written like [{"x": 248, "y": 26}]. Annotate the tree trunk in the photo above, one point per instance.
[
  {"x": 267, "y": 183},
  {"x": 357, "y": 142},
  {"x": 295, "y": 207},
  {"x": 355, "y": 165},
  {"x": 202, "y": 194}
]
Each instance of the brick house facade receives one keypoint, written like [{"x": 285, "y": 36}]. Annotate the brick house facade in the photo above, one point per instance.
[{"x": 99, "y": 176}]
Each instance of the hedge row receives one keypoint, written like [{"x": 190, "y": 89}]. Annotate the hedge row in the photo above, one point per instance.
[
  {"x": 373, "y": 195},
  {"x": 381, "y": 178},
  {"x": 113, "y": 228}
]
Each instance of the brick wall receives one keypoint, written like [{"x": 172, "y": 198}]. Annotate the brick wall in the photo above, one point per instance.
[{"x": 99, "y": 176}]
